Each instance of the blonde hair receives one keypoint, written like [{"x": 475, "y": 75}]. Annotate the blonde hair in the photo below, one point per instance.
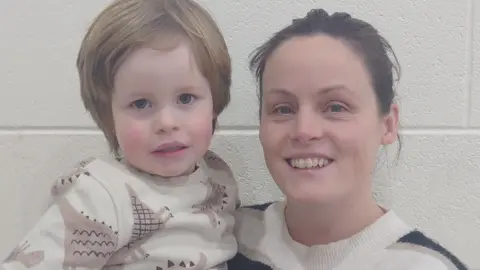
[{"x": 125, "y": 25}]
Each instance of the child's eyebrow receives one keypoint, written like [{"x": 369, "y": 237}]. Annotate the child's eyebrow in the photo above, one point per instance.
[
  {"x": 139, "y": 94},
  {"x": 188, "y": 88}
]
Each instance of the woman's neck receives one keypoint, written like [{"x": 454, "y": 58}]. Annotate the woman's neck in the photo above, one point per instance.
[{"x": 313, "y": 224}]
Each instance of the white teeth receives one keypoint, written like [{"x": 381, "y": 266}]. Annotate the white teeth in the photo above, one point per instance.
[
  {"x": 308, "y": 163},
  {"x": 325, "y": 162}
]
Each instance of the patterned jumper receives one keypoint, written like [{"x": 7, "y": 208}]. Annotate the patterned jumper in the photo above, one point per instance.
[{"x": 107, "y": 215}]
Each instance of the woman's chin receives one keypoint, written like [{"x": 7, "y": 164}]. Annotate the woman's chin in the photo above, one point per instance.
[{"x": 310, "y": 194}]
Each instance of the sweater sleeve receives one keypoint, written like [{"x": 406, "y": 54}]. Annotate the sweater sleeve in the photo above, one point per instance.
[{"x": 79, "y": 230}]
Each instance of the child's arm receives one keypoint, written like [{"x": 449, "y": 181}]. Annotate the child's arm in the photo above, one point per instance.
[
  {"x": 224, "y": 193},
  {"x": 80, "y": 230}
]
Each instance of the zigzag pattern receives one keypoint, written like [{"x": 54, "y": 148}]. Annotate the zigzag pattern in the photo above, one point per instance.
[
  {"x": 92, "y": 252},
  {"x": 93, "y": 243},
  {"x": 90, "y": 233}
]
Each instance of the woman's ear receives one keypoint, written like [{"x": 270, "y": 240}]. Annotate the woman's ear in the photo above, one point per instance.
[{"x": 390, "y": 123}]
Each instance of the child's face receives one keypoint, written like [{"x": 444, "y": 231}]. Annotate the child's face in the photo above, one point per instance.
[{"x": 162, "y": 110}]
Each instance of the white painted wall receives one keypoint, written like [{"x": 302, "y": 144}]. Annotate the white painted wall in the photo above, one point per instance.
[{"x": 435, "y": 185}]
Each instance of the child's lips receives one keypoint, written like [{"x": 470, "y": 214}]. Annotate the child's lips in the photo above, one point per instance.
[
  {"x": 170, "y": 147},
  {"x": 171, "y": 151}
]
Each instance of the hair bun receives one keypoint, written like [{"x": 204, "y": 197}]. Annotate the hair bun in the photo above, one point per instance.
[
  {"x": 341, "y": 16},
  {"x": 318, "y": 13}
]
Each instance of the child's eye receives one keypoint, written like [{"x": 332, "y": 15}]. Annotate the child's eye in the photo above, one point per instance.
[
  {"x": 141, "y": 104},
  {"x": 186, "y": 98}
]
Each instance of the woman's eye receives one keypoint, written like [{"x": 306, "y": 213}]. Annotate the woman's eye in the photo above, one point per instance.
[
  {"x": 336, "y": 108},
  {"x": 186, "y": 98},
  {"x": 141, "y": 103},
  {"x": 283, "y": 110}
]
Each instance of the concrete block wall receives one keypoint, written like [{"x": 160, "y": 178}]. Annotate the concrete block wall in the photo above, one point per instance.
[{"x": 435, "y": 184}]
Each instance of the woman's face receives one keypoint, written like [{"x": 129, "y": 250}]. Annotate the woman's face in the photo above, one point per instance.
[{"x": 320, "y": 124}]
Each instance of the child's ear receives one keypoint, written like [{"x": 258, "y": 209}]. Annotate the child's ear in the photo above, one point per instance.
[{"x": 390, "y": 123}]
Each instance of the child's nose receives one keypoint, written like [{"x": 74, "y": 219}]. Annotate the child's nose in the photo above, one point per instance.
[{"x": 165, "y": 121}]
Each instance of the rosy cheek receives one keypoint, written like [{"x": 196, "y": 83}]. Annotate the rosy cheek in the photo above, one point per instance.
[
  {"x": 201, "y": 125},
  {"x": 131, "y": 137},
  {"x": 204, "y": 132},
  {"x": 209, "y": 128}
]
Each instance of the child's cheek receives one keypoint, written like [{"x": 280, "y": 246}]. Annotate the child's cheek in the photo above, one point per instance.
[{"x": 133, "y": 137}]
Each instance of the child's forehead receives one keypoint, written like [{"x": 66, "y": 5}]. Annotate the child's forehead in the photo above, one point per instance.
[
  {"x": 149, "y": 58},
  {"x": 147, "y": 61},
  {"x": 149, "y": 69}
]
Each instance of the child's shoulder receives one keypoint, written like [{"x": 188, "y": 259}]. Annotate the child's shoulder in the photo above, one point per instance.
[
  {"x": 70, "y": 176},
  {"x": 94, "y": 169},
  {"x": 220, "y": 173},
  {"x": 215, "y": 162}
]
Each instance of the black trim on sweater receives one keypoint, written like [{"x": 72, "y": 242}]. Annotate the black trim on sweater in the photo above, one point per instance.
[
  {"x": 240, "y": 262},
  {"x": 260, "y": 207},
  {"x": 418, "y": 238}
]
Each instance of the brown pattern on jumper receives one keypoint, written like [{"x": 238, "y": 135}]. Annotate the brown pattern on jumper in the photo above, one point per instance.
[
  {"x": 217, "y": 196},
  {"x": 27, "y": 259},
  {"x": 88, "y": 242},
  {"x": 66, "y": 181},
  {"x": 214, "y": 202},
  {"x": 200, "y": 264},
  {"x": 214, "y": 162},
  {"x": 145, "y": 223}
]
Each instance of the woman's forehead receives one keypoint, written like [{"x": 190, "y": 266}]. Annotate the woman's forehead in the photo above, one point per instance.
[{"x": 315, "y": 63}]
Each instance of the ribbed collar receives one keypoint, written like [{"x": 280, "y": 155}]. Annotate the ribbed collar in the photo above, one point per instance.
[{"x": 374, "y": 238}]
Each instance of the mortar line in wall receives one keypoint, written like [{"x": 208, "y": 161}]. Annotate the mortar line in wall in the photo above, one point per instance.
[
  {"x": 72, "y": 129},
  {"x": 93, "y": 132},
  {"x": 230, "y": 132},
  {"x": 42, "y": 130},
  {"x": 445, "y": 131},
  {"x": 469, "y": 61},
  {"x": 93, "y": 129}
]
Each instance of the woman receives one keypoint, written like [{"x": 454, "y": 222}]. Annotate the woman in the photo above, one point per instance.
[{"x": 327, "y": 104}]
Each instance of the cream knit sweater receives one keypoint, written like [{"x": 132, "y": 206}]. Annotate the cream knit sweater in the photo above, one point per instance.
[{"x": 388, "y": 244}]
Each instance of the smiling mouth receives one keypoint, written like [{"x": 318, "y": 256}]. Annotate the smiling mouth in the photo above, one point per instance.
[{"x": 308, "y": 163}]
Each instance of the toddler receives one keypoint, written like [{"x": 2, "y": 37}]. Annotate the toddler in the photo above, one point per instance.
[{"x": 154, "y": 75}]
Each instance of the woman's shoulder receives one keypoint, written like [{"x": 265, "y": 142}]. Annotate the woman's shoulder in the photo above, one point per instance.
[
  {"x": 417, "y": 248},
  {"x": 257, "y": 223}
]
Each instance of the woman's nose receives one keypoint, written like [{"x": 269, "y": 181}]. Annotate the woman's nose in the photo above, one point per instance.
[{"x": 308, "y": 126}]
